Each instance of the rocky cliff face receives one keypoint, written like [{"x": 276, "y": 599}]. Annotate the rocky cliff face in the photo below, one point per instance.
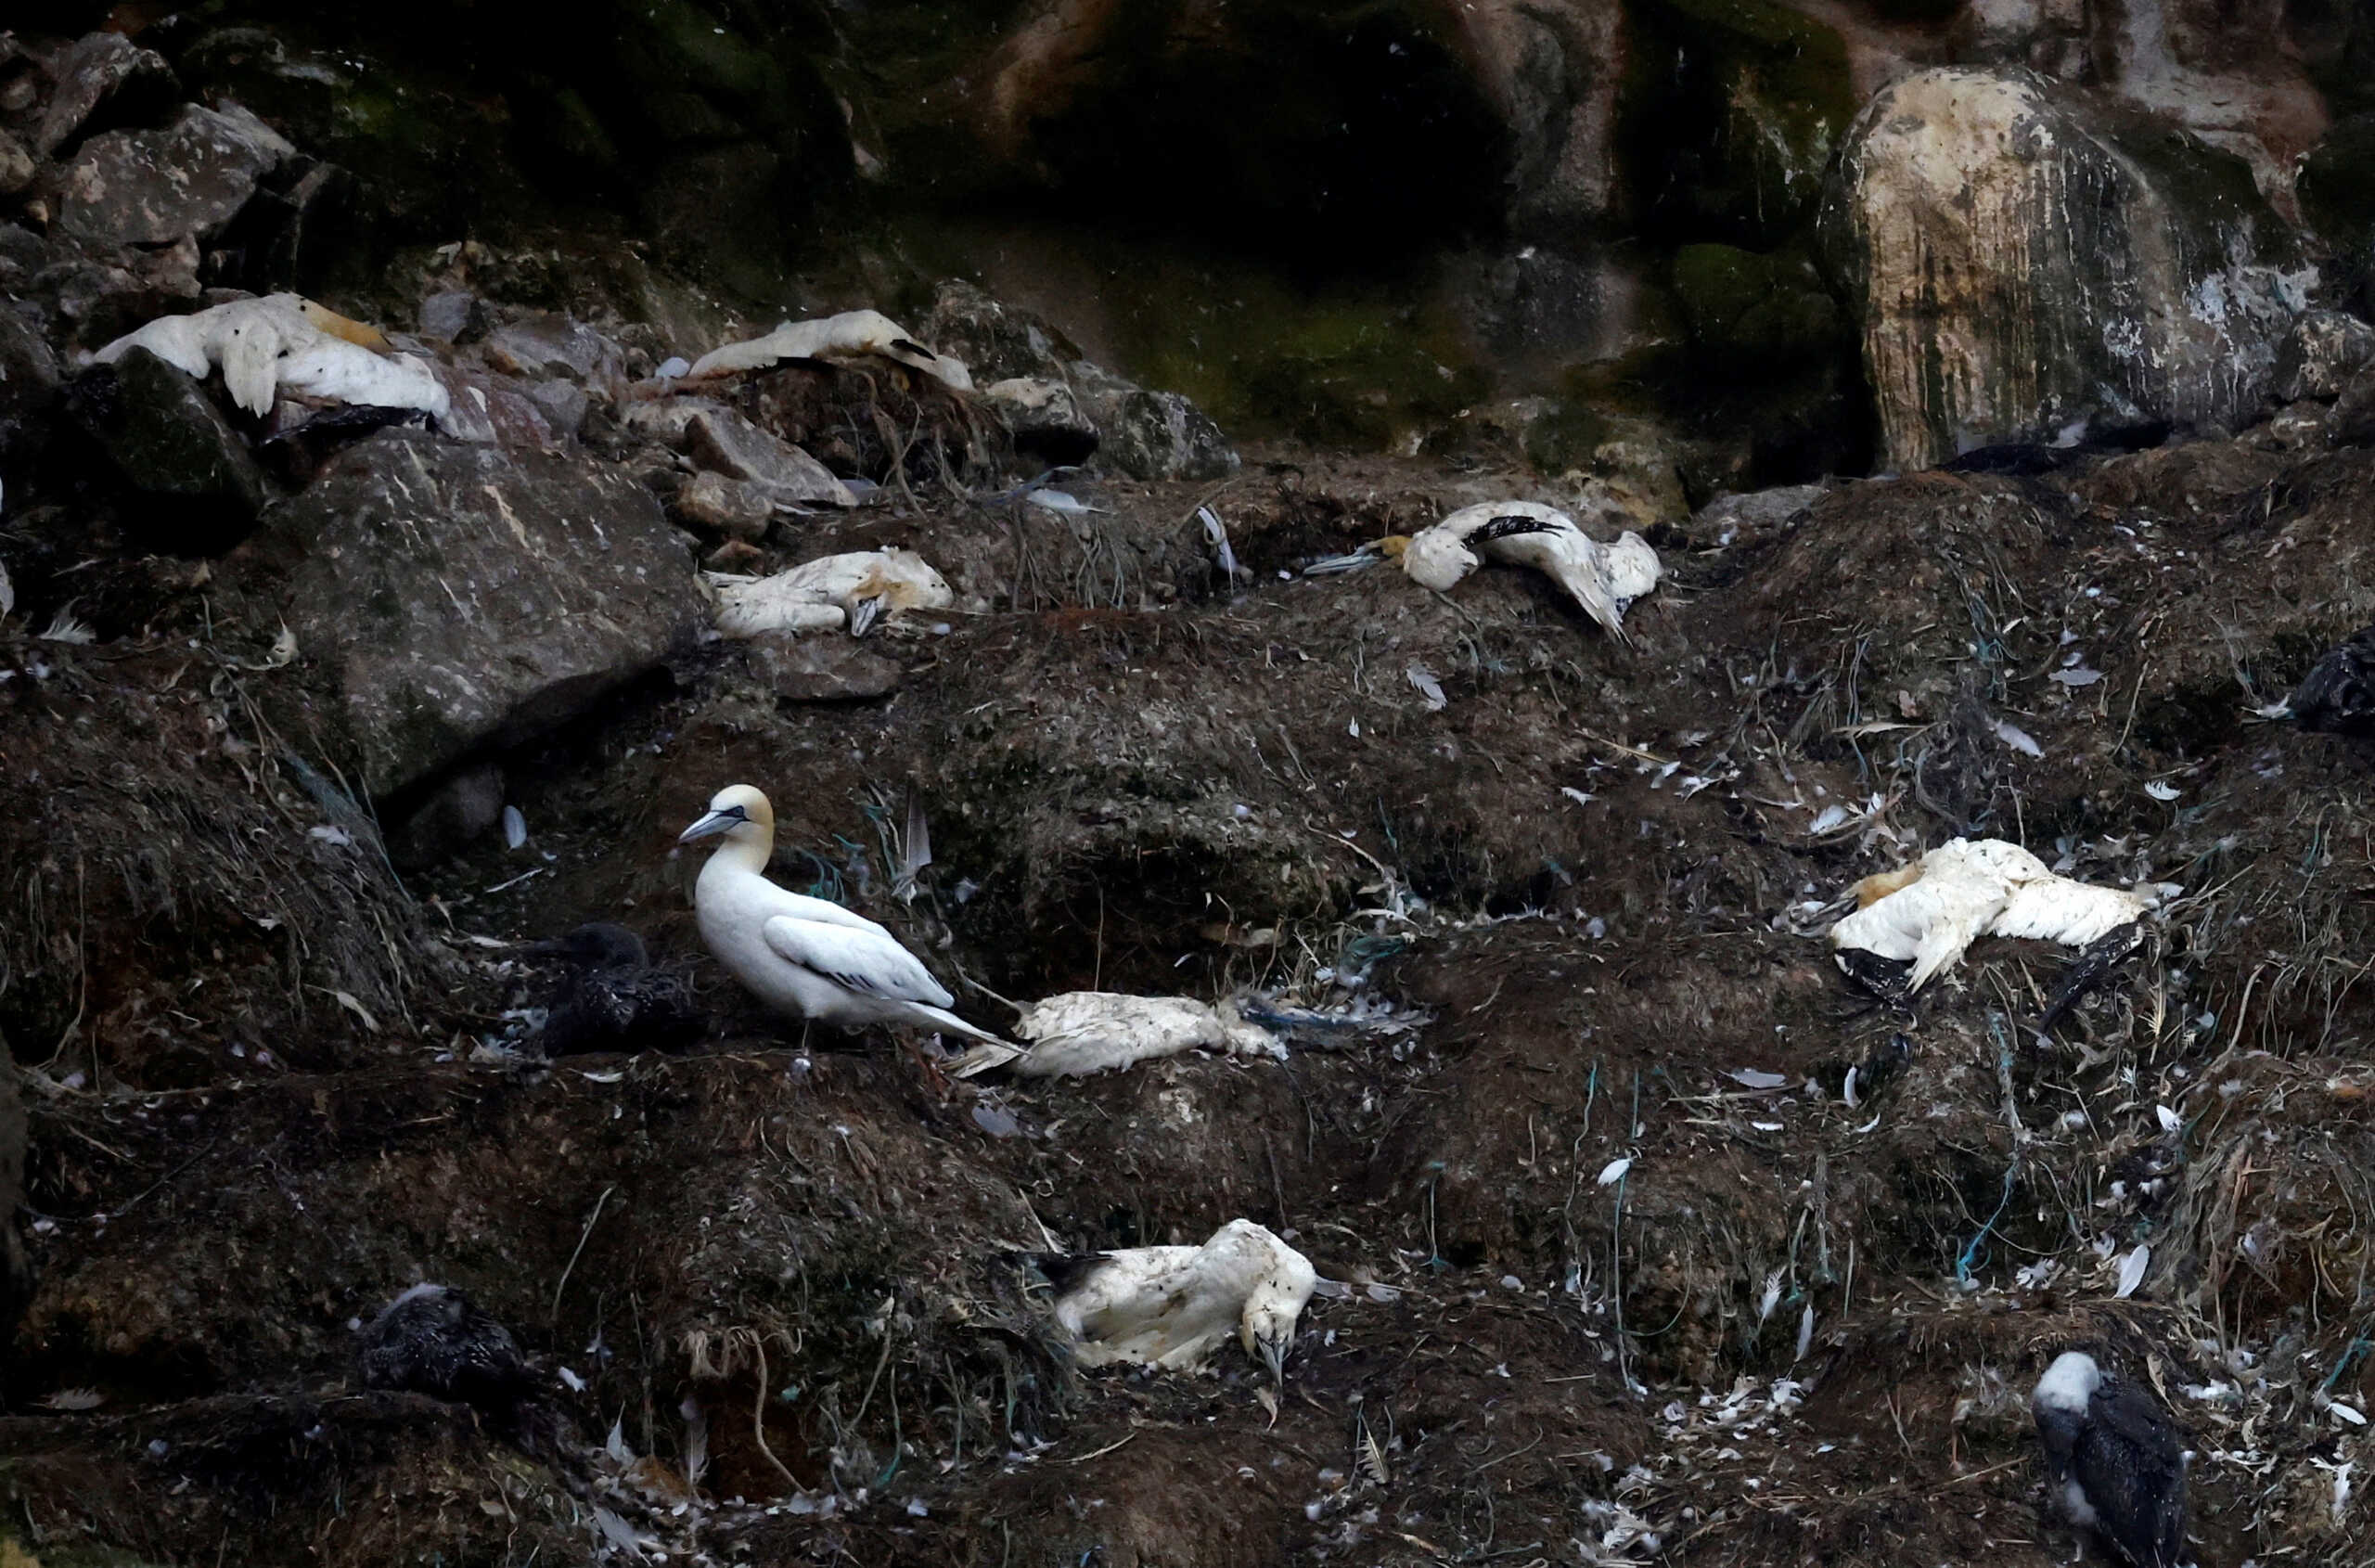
[{"x": 1053, "y": 605}]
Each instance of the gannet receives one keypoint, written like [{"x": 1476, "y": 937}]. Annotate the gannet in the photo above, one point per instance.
[
  {"x": 1078, "y": 1032},
  {"x": 1604, "y": 579},
  {"x": 850, "y": 591},
  {"x": 1173, "y": 1306},
  {"x": 2113, "y": 1463},
  {"x": 613, "y": 998},
  {"x": 433, "y": 1340},
  {"x": 805, "y": 957},
  {"x": 2337, "y": 696},
  {"x": 851, "y": 332},
  {"x": 284, "y": 342},
  {"x": 1927, "y": 914}
]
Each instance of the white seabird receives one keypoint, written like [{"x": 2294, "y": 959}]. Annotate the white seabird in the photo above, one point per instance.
[
  {"x": 1604, "y": 579},
  {"x": 287, "y": 343},
  {"x": 851, "y": 332},
  {"x": 1078, "y": 1032},
  {"x": 806, "y": 958},
  {"x": 1928, "y": 913},
  {"x": 2113, "y": 1463},
  {"x": 828, "y": 593},
  {"x": 1173, "y": 1306}
]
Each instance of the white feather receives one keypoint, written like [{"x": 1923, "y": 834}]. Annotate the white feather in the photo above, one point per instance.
[{"x": 823, "y": 595}]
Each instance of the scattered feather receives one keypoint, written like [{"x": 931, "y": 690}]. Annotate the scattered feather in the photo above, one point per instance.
[
  {"x": 2018, "y": 738},
  {"x": 1578, "y": 796},
  {"x": 1429, "y": 687},
  {"x": 515, "y": 827},
  {"x": 346, "y": 999},
  {"x": 2162, "y": 791},
  {"x": 2170, "y": 1119},
  {"x": 2076, "y": 677},
  {"x": 63, "y": 627},
  {"x": 73, "y": 1399},
  {"x": 2350, "y": 1413},
  {"x": 1613, "y": 1171},
  {"x": 331, "y": 834},
  {"x": 1757, "y": 1078},
  {"x": 1831, "y": 816},
  {"x": 1805, "y": 1333},
  {"x": 2131, "y": 1269}
]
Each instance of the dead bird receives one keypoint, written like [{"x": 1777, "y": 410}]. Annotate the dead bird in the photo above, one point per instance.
[
  {"x": 1173, "y": 1306},
  {"x": 614, "y": 997},
  {"x": 2337, "y": 696},
  {"x": 2114, "y": 1462},
  {"x": 434, "y": 1340},
  {"x": 1603, "y": 579},
  {"x": 1920, "y": 918}
]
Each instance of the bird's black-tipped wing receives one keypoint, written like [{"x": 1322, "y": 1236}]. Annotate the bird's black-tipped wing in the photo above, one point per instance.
[
  {"x": 2087, "y": 970},
  {"x": 1503, "y": 527},
  {"x": 1065, "y": 1271},
  {"x": 2338, "y": 695},
  {"x": 2132, "y": 1467}
]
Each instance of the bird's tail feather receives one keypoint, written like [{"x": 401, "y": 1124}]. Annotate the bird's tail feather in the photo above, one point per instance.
[{"x": 1064, "y": 1270}]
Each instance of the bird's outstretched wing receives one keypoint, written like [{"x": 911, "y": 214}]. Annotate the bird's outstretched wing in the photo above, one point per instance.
[{"x": 869, "y": 962}]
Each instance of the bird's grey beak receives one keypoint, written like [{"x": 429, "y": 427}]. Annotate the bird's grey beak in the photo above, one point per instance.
[
  {"x": 864, "y": 613},
  {"x": 1274, "y": 1355},
  {"x": 714, "y": 822}
]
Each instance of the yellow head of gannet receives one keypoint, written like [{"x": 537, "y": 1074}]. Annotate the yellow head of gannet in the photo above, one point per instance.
[{"x": 747, "y": 822}]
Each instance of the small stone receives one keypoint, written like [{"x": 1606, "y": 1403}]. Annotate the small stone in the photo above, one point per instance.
[
  {"x": 564, "y": 404},
  {"x": 711, "y": 503},
  {"x": 996, "y": 341},
  {"x": 726, "y": 443},
  {"x": 549, "y": 345},
  {"x": 16, "y": 165},
  {"x": 2352, "y": 423},
  {"x": 1044, "y": 419},
  {"x": 2320, "y": 355},
  {"x": 821, "y": 669},
  {"x": 735, "y": 555},
  {"x": 1162, "y": 435},
  {"x": 452, "y": 314}
]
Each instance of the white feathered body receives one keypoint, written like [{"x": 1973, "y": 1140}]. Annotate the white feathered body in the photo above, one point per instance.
[
  {"x": 851, "y": 332},
  {"x": 819, "y": 594},
  {"x": 276, "y": 344},
  {"x": 1967, "y": 890},
  {"x": 811, "y": 958},
  {"x": 1173, "y": 1306},
  {"x": 1603, "y": 579},
  {"x": 1076, "y": 1033}
]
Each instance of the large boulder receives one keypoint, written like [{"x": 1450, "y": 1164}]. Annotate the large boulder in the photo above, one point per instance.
[
  {"x": 170, "y": 442},
  {"x": 2022, "y": 256},
  {"x": 155, "y": 187},
  {"x": 457, "y": 597}
]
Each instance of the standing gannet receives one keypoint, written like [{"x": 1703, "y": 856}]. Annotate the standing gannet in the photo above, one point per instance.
[
  {"x": 285, "y": 343},
  {"x": 1173, "y": 1306},
  {"x": 805, "y": 957},
  {"x": 1604, "y": 579},
  {"x": 1927, "y": 914},
  {"x": 2114, "y": 1462},
  {"x": 828, "y": 593}
]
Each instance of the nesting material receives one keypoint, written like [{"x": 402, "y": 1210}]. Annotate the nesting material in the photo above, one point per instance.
[
  {"x": 835, "y": 593},
  {"x": 1079, "y": 1033},
  {"x": 1927, "y": 914},
  {"x": 833, "y": 336},
  {"x": 285, "y": 345},
  {"x": 1603, "y": 579},
  {"x": 1173, "y": 1306}
]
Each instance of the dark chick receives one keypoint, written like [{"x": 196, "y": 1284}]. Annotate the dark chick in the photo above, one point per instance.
[{"x": 612, "y": 997}]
